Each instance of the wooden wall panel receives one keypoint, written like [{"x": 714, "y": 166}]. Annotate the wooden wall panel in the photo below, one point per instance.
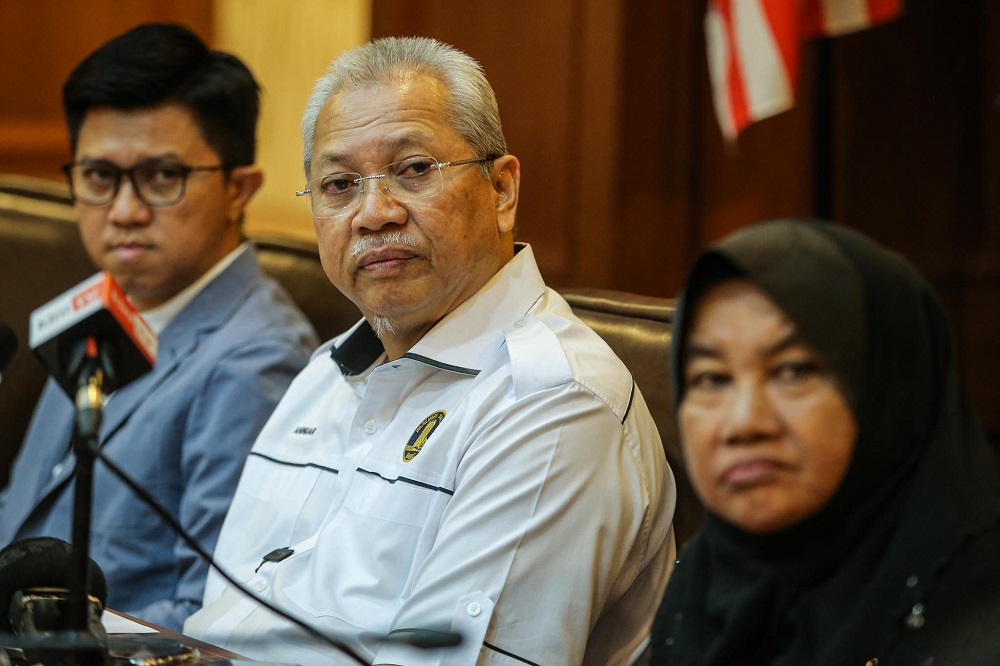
[
  {"x": 40, "y": 43},
  {"x": 651, "y": 231},
  {"x": 531, "y": 53},
  {"x": 907, "y": 124},
  {"x": 980, "y": 319},
  {"x": 916, "y": 154},
  {"x": 287, "y": 45}
]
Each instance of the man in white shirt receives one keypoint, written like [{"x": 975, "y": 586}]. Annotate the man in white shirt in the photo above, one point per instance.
[{"x": 469, "y": 457}]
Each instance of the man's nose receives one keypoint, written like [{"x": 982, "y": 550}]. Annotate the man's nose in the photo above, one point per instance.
[
  {"x": 376, "y": 205},
  {"x": 127, "y": 207}
]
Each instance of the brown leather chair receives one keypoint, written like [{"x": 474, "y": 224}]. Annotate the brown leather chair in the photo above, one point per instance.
[
  {"x": 41, "y": 257},
  {"x": 638, "y": 329},
  {"x": 295, "y": 263}
]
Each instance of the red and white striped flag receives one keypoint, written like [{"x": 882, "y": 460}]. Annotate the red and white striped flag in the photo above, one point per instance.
[{"x": 753, "y": 49}]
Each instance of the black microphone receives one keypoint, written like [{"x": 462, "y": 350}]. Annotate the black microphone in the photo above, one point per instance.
[
  {"x": 425, "y": 639},
  {"x": 92, "y": 328},
  {"x": 40, "y": 563},
  {"x": 8, "y": 347},
  {"x": 34, "y": 619},
  {"x": 34, "y": 577},
  {"x": 92, "y": 341}
]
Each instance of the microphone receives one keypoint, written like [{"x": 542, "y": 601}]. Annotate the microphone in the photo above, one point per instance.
[
  {"x": 92, "y": 324},
  {"x": 92, "y": 341},
  {"x": 34, "y": 600},
  {"x": 425, "y": 639},
  {"x": 41, "y": 563},
  {"x": 8, "y": 347}
]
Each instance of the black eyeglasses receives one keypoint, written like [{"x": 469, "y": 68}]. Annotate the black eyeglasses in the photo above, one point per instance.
[{"x": 157, "y": 183}]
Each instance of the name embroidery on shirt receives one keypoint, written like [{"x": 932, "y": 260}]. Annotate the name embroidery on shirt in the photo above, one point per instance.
[
  {"x": 305, "y": 430},
  {"x": 420, "y": 435}
]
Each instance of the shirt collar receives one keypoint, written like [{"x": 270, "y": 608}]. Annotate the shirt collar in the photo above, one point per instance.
[
  {"x": 160, "y": 317},
  {"x": 466, "y": 336},
  {"x": 358, "y": 350}
]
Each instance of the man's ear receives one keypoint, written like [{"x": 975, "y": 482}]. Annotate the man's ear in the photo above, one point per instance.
[
  {"x": 506, "y": 185},
  {"x": 244, "y": 181}
]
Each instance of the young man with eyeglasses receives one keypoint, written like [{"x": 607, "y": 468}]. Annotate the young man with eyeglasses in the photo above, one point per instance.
[
  {"x": 162, "y": 132},
  {"x": 469, "y": 457}
]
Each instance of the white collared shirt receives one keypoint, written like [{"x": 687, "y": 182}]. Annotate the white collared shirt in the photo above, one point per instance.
[{"x": 503, "y": 480}]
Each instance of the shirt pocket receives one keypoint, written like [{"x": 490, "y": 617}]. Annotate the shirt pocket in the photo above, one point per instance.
[
  {"x": 380, "y": 537},
  {"x": 381, "y": 491},
  {"x": 281, "y": 482},
  {"x": 395, "y": 518}
]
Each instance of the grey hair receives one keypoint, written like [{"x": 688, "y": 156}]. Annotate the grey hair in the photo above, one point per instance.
[{"x": 472, "y": 105}]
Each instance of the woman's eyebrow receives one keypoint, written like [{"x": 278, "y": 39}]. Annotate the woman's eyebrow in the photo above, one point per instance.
[
  {"x": 701, "y": 350},
  {"x": 791, "y": 339}
]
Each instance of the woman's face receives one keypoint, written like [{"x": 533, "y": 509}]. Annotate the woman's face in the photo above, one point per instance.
[{"x": 767, "y": 435}]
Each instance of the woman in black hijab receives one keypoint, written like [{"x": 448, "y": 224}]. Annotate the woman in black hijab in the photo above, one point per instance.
[{"x": 852, "y": 499}]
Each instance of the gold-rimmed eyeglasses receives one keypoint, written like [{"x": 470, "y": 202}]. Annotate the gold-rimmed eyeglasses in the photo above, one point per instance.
[{"x": 413, "y": 180}]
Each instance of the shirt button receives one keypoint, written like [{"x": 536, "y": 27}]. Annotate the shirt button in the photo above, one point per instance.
[
  {"x": 915, "y": 620},
  {"x": 520, "y": 323},
  {"x": 370, "y": 426},
  {"x": 474, "y": 609},
  {"x": 261, "y": 585},
  {"x": 57, "y": 470}
]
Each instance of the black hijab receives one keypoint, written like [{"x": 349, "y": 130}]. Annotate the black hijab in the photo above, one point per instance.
[{"x": 856, "y": 580}]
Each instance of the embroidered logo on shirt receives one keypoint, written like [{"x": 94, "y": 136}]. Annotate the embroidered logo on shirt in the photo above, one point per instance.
[
  {"x": 420, "y": 435},
  {"x": 305, "y": 430}
]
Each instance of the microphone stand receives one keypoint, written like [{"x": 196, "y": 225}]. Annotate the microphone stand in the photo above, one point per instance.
[
  {"x": 92, "y": 367},
  {"x": 71, "y": 639}
]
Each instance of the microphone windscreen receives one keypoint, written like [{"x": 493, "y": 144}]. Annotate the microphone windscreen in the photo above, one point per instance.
[
  {"x": 8, "y": 346},
  {"x": 425, "y": 639},
  {"x": 95, "y": 310},
  {"x": 41, "y": 562}
]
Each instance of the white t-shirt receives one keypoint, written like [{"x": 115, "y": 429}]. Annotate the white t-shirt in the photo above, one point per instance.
[{"x": 503, "y": 480}]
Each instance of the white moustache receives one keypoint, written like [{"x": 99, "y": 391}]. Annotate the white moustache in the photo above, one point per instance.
[{"x": 392, "y": 238}]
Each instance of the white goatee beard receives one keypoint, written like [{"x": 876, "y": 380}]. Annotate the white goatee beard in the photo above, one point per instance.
[{"x": 383, "y": 326}]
